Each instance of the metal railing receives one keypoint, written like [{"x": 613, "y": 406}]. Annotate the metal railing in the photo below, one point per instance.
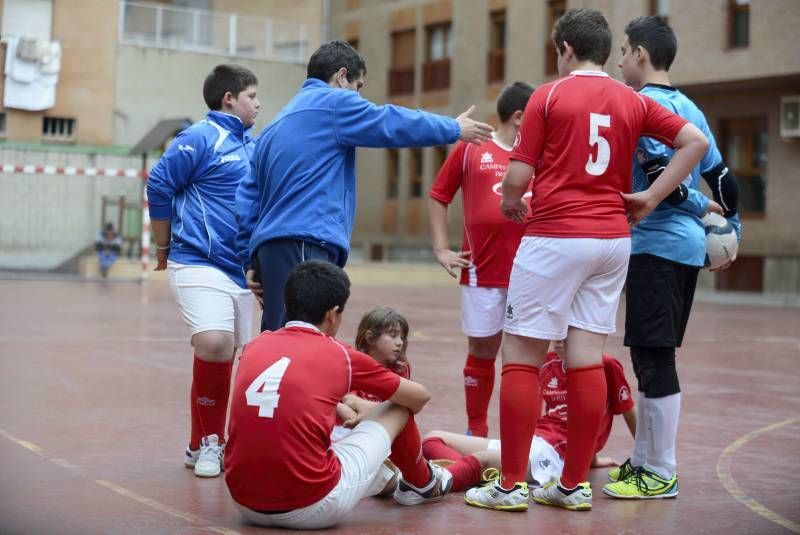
[{"x": 214, "y": 32}]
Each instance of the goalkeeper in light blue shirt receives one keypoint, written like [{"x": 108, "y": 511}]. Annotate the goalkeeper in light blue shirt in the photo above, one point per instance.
[{"x": 668, "y": 249}]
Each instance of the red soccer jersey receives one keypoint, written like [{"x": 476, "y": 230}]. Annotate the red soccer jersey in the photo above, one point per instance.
[
  {"x": 552, "y": 427},
  {"x": 579, "y": 134},
  {"x": 493, "y": 240},
  {"x": 283, "y": 408},
  {"x": 403, "y": 369}
]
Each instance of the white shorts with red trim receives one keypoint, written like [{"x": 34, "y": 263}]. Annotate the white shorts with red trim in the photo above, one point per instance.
[
  {"x": 482, "y": 310},
  {"x": 210, "y": 301},
  {"x": 557, "y": 283}
]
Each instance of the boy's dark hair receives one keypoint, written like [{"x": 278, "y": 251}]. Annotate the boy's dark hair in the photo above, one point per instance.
[
  {"x": 514, "y": 97},
  {"x": 587, "y": 32},
  {"x": 331, "y": 57},
  {"x": 225, "y": 78},
  {"x": 655, "y": 36},
  {"x": 313, "y": 288}
]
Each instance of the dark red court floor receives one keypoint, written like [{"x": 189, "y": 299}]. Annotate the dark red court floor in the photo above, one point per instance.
[{"x": 93, "y": 420}]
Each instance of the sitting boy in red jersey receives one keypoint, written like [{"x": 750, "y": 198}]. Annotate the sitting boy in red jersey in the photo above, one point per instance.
[{"x": 280, "y": 466}]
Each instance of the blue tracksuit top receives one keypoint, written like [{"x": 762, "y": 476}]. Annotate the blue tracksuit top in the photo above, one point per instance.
[
  {"x": 302, "y": 183},
  {"x": 194, "y": 185},
  {"x": 675, "y": 232}
]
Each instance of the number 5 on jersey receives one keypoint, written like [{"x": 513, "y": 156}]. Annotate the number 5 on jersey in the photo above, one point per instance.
[
  {"x": 598, "y": 167},
  {"x": 263, "y": 391}
]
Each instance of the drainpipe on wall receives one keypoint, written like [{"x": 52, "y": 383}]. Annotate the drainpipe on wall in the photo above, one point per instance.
[{"x": 326, "y": 20}]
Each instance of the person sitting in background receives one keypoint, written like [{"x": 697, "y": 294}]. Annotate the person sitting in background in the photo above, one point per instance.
[{"x": 108, "y": 245}]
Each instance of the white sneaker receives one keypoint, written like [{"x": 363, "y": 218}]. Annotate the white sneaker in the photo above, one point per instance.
[
  {"x": 436, "y": 489},
  {"x": 209, "y": 462},
  {"x": 577, "y": 499},
  {"x": 493, "y": 496},
  {"x": 190, "y": 457}
]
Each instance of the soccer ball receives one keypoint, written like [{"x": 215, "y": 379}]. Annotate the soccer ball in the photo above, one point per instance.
[{"x": 721, "y": 241}]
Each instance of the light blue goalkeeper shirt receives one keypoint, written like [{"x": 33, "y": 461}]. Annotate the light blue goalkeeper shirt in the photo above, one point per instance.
[{"x": 675, "y": 232}]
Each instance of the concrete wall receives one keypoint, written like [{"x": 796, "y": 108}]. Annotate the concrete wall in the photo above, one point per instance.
[
  {"x": 154, "y": 84},
  {"x": 47, "y": 219}
]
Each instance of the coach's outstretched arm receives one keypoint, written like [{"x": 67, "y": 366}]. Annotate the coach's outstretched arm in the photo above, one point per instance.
[
  {"x": 691, "y": 145},
  {"x": 360, "y": 123}
]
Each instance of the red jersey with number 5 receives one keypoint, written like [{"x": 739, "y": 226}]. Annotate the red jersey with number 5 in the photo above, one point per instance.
[
  {"x": 579, "y": 133},
  {"x": 283, "y": 408},
  {"x": 491, "y": 238}
]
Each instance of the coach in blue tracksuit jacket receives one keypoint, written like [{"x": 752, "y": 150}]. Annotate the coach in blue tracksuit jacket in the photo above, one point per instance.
[{"x": 299, "y": 201}]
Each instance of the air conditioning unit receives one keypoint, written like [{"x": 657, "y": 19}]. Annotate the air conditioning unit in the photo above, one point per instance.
[{"x": 790, "y": 116}]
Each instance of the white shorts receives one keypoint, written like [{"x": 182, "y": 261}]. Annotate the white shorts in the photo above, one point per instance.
[
  {"x": 558, "y": 283},
  {"x": 210, "y": 301},
  {"x": 544, "y": 463},
  {"x": 361, "y": 454},
  {"x": 482, "y": 310}
]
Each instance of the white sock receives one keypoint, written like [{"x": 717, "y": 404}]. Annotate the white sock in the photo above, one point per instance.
[
  {"x": 640, "y": 442},
  {"x": 663, "y": 414}
]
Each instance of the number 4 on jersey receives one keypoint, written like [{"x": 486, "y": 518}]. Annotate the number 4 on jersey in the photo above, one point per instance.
[{"x": 263, "y": 391}]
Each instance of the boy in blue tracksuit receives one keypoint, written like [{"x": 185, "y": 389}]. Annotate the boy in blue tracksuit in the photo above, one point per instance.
[
  {"x": 299, "y": 201},
  {"x": 191, "y": 193},
  {"x": 668, "y": 249}
]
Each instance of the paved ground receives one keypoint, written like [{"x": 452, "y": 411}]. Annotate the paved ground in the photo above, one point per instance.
[{"x": 93, "y": 418}]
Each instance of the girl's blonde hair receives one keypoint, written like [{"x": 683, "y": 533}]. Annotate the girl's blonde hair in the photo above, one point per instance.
[{"x": 378, "y": 321}]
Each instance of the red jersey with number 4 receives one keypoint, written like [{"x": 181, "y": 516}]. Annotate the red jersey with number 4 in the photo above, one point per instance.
[
  {"x": 579, "y": 133},
  {"x": 552, "y": 426},
  {"x": 493, "y": 240},
  {"x": 283, "y": 408}
]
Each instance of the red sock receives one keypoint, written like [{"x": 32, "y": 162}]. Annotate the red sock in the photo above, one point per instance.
[
  {"x": 520, "y": 405},
  {"x": 197, "y": 429},
  {"x": 435, "y": 448},
  {"x": 478, "y": 386},
  {"x": 407, "y": 455},
  {"x": 466, "y": 473},
  {"x": 586, "y": 403},
  {"x": 210, "y": 388}
]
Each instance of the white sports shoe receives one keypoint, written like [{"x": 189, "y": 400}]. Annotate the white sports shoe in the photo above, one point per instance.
[
  {"x": 436, "y": 489},
  {"x": 209, "y": 462},
  {"x": 190, "y": 457},
  {"x": 577, "y": 499},
  {"x": 493, "y": 496}
]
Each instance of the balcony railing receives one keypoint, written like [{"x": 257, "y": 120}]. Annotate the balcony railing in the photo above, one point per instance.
[
  {"x": 214, "y": 32},
  {"x": 436, "y": 74},
  {"x": 401, "y": 80}
]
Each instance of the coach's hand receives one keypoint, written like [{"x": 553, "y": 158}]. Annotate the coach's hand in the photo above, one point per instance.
[
  {"x": 162, "y": 255},
  {"x": 638, "y": 205},
  {"x": 515, "y": 211},
  {"x": 254, "y": 286},
  {"x": 451, "y": 260},
  {"x": 473, "y": 131}
]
